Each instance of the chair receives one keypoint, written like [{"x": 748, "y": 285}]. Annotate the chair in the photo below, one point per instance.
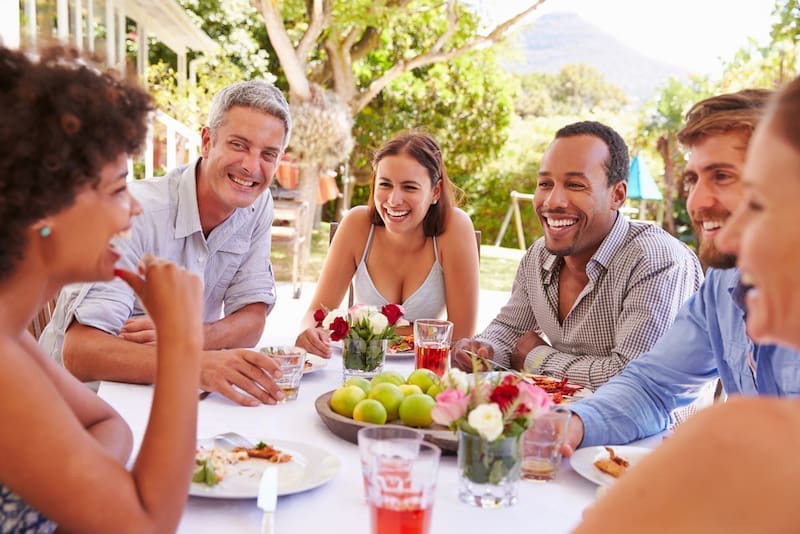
[
  {"x": 40, "y": 320},
  {"x": 289, "y": 226},
  {"x": 332, "y": 232}
]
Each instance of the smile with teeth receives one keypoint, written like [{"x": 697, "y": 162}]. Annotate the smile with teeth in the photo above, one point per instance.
[
  {"x": 241, "y": 182},
  {"x": 708, "y": 226},
  {"x": 560, "y": 223},
  {"x": 393, "y": 213}
]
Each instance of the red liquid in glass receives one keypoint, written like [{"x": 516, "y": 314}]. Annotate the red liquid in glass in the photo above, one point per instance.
[
  {"x": 412, "y": 521},
  {"x": 433, "y": 358}
]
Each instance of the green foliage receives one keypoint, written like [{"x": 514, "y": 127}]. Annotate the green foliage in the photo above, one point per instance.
[
  {"x": 466, "y": 104},
  {"x": 575, "y": 89}
]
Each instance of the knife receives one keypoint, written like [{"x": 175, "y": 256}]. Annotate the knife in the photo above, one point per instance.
[{"x": 267, "y": 498}]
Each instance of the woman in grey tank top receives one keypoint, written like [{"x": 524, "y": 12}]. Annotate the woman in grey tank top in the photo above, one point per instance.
[{"x": 410, "y": 245}]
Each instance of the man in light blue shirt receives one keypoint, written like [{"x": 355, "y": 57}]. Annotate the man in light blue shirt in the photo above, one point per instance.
[
  {"x": 708, "y": 338},
  {"x": 214, "y": 218}
]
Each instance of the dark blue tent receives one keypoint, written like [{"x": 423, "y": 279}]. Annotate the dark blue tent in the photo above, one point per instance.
[{"x": 641, "y": 185}]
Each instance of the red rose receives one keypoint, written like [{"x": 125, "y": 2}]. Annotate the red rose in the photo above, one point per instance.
[
  {"x": 503, "y": 395},
  {"x": 319, "y": 316},
  {"x": 339, "y": 328},
  {"x": 393, "y": 312}
]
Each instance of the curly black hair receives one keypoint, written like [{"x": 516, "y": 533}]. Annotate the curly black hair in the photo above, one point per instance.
[
  {"x": 62, "y": 121},
  {"x": 617, "y": 166}
]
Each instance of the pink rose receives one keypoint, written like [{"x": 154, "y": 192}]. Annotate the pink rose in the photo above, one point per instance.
[
  {"x": 534, "y": 399},
  {"x": 339, "y": 329},
  {"x": 451, "y": 405},
  {"x": 393, "y": 312}
]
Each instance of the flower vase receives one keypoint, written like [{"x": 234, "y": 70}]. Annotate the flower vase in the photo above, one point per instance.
[
  {"x": 489, "y": 471},
  {"x": 362, "y": 358}
]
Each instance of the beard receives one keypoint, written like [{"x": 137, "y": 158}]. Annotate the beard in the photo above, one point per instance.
[{"x": 710, "y": 255}]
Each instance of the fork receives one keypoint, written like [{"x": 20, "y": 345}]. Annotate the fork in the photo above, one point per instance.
[
  {"x": 232, "y": 438},
  {"x": 499, "y": 366}
]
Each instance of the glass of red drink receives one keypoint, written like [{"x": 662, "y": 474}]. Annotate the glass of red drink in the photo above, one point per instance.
[
  {"x": 369, "y": 435},
  {"x": 432, "y": 339},
  {"x": 402, "y": 483}
]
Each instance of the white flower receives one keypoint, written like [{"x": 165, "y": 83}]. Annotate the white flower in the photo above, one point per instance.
[
  {"x": 360, "y": 312},
  {"x": 487, "y": 419},
  {"x": 378, "y": 323},
  {"x": 328, "y": 320},
  {"x": 455, "y": 379}
]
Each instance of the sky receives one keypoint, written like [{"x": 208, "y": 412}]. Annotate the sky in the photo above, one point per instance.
[{"x": 695, "y": 34}]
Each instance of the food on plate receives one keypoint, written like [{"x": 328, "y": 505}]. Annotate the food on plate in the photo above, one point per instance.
[
  {"x": 404, "y": 344},
  {"x": 266, "y": 452},
  {"x": 613, "y": 465},
  {"x": 212, "y": 464},
  {"x": 560, "y": 390}
]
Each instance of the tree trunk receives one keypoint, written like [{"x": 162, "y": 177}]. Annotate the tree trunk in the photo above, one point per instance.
[{"x": 664, "y": 147}]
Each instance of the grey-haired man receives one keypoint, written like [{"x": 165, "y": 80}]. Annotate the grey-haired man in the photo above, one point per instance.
[{"x": 213, "y": 217}]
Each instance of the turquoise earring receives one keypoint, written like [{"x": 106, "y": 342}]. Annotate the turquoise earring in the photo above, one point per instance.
[{"x": 45, "y": 231}]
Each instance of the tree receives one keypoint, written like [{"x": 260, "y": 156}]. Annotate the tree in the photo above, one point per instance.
[
  {"x": 337, "y": 58},
  {"x": 575, "y": 89}
]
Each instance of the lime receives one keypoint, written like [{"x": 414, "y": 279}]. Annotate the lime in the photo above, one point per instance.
[
  {"x": 409, "y": 389},
  {"x": 359, "y": 381},
  {"x": 370, "y": 411},
  {"x": 424, "y": 378},
  {"x": 434, "y": 390},
  {"x": 389, "y": 395},
  {"x": 393, "y": 377},
  {"x": 345, "y": 399},
  {"x": 415, "y": 410}
]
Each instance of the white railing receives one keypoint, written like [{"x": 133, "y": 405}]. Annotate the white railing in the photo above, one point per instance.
[{"x": 169, "y": 143}]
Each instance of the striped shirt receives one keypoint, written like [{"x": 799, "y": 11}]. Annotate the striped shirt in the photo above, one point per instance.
[{"x": 638, "y": 279}]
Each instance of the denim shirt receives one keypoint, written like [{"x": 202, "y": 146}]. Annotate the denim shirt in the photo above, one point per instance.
[{"x": 707, "y": 340}]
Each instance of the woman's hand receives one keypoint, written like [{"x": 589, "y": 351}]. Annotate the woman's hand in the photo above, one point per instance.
[{"x": 315, "y": 340}]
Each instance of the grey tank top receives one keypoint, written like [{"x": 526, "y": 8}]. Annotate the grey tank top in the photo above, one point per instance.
[{"x": 427, "y": 302}]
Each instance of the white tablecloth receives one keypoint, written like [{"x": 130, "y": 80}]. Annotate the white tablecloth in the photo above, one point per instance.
[{"x": 338, "y": 506}]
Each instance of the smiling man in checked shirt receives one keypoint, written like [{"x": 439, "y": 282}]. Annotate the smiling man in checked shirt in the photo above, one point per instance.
[{"x": 597, "y": 290}]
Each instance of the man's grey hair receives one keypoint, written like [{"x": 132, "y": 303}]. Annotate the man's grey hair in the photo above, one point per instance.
[{"x": 257, "y": 94}]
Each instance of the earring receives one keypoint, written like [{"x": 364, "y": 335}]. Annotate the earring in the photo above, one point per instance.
[
  {"x": 435, "y": 202},
  {"x": 45, "y": 231}
]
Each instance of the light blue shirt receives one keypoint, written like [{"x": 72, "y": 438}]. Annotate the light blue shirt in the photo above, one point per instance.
[
  {"x": 707, "y": 340},
  {"x": 233, "y": 261}
]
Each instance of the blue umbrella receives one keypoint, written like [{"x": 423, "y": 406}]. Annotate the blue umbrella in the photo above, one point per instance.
[{"x": 641, "y": 185}]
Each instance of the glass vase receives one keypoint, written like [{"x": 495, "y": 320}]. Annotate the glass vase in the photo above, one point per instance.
[
  {"x": 488, "y": 471},
  {"x": 362, "y": 358}
]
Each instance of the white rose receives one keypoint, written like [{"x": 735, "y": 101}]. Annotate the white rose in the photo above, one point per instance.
[
  {"x": 378, "y": 323},
  {"x": 359, "y": 312},
  {"x": 328, "y": 320},
  {"x": 487, "y": 419},
  {"x": 455, "y": 378}
]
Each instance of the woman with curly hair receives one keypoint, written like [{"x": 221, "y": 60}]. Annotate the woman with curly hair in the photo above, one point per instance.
[
  {"x": 411, "y": 245},
  {"x": 67, "y": 131}
]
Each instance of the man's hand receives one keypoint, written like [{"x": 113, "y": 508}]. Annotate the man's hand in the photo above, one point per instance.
[
  {"x": 139, "y": 330},
  {"x": 524, "y": 345},
  {"x": 460, "y": 353},
  {"x": 249, "y": 370},
  {"x": 574, "y": 436},
  {"x": 315, "y": 341}
]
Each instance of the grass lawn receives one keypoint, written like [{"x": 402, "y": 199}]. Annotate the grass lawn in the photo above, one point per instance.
[{"x": 498, "y": 265}]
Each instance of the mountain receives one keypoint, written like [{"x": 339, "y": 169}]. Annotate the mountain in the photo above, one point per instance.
[{"x": 558, "y": 39}]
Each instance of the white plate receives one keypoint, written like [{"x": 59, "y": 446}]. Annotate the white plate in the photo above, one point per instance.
[
  {"x": 310, "y": 467},
  {"x": 317, "y": 363},
  {"x": 582, "y": 461},
  {"x": 406, "y": 354}
]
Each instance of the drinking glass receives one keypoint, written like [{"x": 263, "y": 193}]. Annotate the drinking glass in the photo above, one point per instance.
[
  {"x": 541, "y": 445},
  {"x": 402, "y": 483},
  {"x": 432, "y": 344},
  {"x": 291, "y": 361},
  {"x": 369, "y": 435}
]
